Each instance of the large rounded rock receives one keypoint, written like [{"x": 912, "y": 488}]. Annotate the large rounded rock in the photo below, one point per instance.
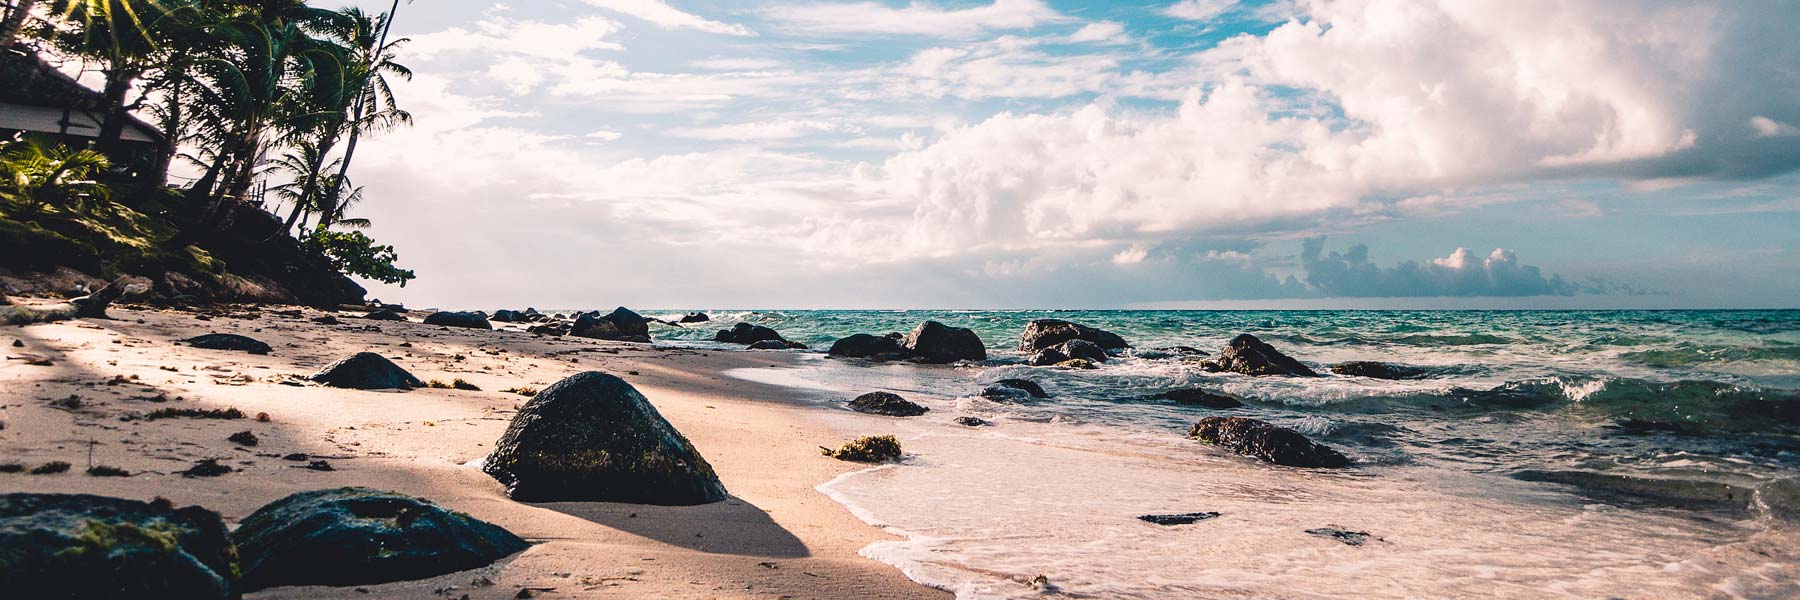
[
  {"x": 1379, "y": 370},
  {"x": 594, "y": 438},
  {"x": 1250, "y": 356},
  {"x": 358, "y": 536},
  {"x": 1067, "y": 351},
  {"x": 384, "y": 314},
  {"x": 884, "y": 403},
  {"x": 746, "y": 334},
  {"x": 937, "y": 343},
  {"x": 94, "y": 547},
  {"x": 1273, "y": 443},
  {"x": 510, "y": 316},
  {"x": 228, "y": 341},
  {"x": 621, "y": 325},
  {"x": 863, "y": 345},
  {"x": 367, "y": 371},
  {"x": 1006, "y": 387},
  {"x": 1044, "y": 333},
  {"x": 468, "y": 319}
]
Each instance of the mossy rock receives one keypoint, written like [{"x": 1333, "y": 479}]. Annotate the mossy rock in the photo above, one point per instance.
[
  {"x": 868, "y": 449},
  {"x": 593, "y": 437},
  {"x": 95, "y": 547},
  {"x": 359, "y": 536}
]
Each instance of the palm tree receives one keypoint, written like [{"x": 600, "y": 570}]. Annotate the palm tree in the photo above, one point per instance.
[
  {"x": 37, "y": 171},
  {"x": 376, "y": 91}
]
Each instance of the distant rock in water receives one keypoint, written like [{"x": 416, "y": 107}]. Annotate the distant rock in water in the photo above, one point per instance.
[
  {"x": 593, "y": 438},
  {"x": 770, "y": 345},
  {"x": 385, "y": 315},
  {"x": 1273, "y": 443},
  {"x": 83, "y": 546},
  {"x": 1014, "y": 389},
  {"x": 1657, "y": 491},
  {"x": 228, "y": 341},
  {"x": 358, "y": 536},
  {"x": 972, "y": 422},
  {"x": 1180, "y": 519},
  {"x": 884, "y": 403},
  {"x": 1197, "y": 397},
  {"x": 1044, "y": 333},
  {"x": 1250, "y": 356},
  {"x": 467, "y": 319},
  {"x": 695, "y": 317},
  {"x": 863, "y": 345},
  {"x": 937, "y": 343},
  {"x": 746, "y": 333},
  {"x": 367, "y": 371},
  {"x": 621, "y": 325},
  {"x": 1067, "y": 351},
  {"x": 1378, "y": 370}
]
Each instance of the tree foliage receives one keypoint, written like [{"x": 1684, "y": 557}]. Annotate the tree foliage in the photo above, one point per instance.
[{"x": 353, "y": 253}]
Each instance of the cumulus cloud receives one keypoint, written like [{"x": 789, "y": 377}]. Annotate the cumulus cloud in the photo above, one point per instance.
[
  {"x": 918, "y": 18},
  {"x": 662, "y": 15},
  {"x": 1199, "y": 10},
  {"x": 1353, "y": 273}
]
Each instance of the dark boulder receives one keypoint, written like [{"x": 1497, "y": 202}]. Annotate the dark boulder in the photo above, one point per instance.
[
  {"x": 1012, "y": 390},
  {"x": 469, "y": 319},
  {"x": 593, "y": 438},
  {"x": 228, "y": 341},
  {"x": 1250, "y": 356},
  {"x": 367, "y": 371},
  {"x": 937, "y": 343},
  {"x": 1066, "y": 351},
  {"x": 863, "y": 345},
  {"x": 1044, "y": 333},
  {"x": 770, "y": 345},
  {"x": 621, "y": 325},
  {"x": 745, "y": 333},
  {"x": 95, "y": 547},
  {"x": 550, "y": 329},
  {"x": 1273, "y": 443},
  {"x": 359, "y": 536},
  {"x": 884, "y": 403},
  {"x": 1197, "y": 397},
  {"x": 695, "y": 317},
  {"x": 509, "y": 316},
  {"x": 1379, "y": 370},
  {"x": 385, "y": 315}
]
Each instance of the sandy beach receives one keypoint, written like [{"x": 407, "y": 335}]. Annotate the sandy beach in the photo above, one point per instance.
[{"x": 777, "y": 537}]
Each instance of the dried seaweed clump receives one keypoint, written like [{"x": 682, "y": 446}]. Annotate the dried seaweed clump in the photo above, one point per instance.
[{"x": 868, "y": 449}]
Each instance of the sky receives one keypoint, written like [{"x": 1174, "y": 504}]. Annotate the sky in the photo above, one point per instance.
[{"x": 1051, "y": 154}]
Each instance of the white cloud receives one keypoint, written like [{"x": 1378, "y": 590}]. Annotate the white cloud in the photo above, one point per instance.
[
  {"x": 918, "y": 18},
  {"x": 737, "y": 64},
  {"x": 1007, "y": 67},
  {"x": 1098, "y": 31},
  {"x": 1199, "y": 10},
  {"x": 662, "y": 15},
  {"x": 528, "y": 38},
  {"x": 1767, "y": 127},
  {"x": 783, "y": 129},
  {"x": 1132, "y": 255}
]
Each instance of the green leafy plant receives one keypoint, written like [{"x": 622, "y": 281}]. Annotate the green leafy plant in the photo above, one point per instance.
[
  {"x": 35, "y": 172},
  {"x": 353, "y": 253}
]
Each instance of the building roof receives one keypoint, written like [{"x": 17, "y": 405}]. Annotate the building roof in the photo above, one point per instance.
[{"x": 34, "y": 96}]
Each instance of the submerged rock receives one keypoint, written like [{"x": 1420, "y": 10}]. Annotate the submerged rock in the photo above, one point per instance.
[
  {"x": 95, "y": 547},
  {"x": 1197, "y": 397},
  {"x": 367, "y": 371},
  {"x": 1076, "y": 363},
  {"x": 937, "y": 343},
  {"x": 357, "y": 536},
  {"x": 1066, "y": 351},
  {"x": 1682, "y": 493},
  {"x": 770, "y": 345},
  {"x": 972, "y": 422},
  {"x": 620, "y": 325},
  {"x": 863, "y": 345},
  {"x": 884, "y": 403},
  {"x": 228, "y": 341},
  {"x": 1180, "y": 519},
  {"x": 467, "y": 319},
  {"x": 745, "y": 333},
  {"x": 1044, "y": 333},
  {"x": 593, "y": 438},
  {"x": 1250, "y": 356},
  {"x": 1378, "y": 370},
  {"x": 1012, "y": 390},
  {"x": 1273, "y": 443}
]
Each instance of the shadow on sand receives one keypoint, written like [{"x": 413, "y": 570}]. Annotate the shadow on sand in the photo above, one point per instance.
[{"x": 733, "y": 526}]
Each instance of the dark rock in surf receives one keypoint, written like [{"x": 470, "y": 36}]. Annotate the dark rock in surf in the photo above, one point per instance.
[
  {"x": 972, "y": 422},
  {"x": 621, "y": 325},
  {"x": 228, "y": 341},
  {"x": 884, "y": 403},
  {"x": 770, "y": 345},
  {"x": 1197, "y": 397},
  {"x": 1180, "y": 519},
  {"x": 936, "y": 343},
  {"x": 1272, "y": 443},
  {"x": 84, "y": 546},
  {"x": 1014, "y": 389},
  {"x": 695, "y": 317},
  {"x": 745, "y": 333},
  {"x": 367, "y": 371},
  {"x": 358, "y": 536},
  {"x": 1066, "y": 351},
  {"x": 1378, "y": 370},
  {"x": 593, "y": 438},
  {"x": 385, "y": 315},
  {"x": 863, "y": 345},
  {"x": 467, "y": 319},
  {"x": 1044, "y": 333},
  {"x": 1250, "y": 356},
  {"x": 1168, "y": 352}
]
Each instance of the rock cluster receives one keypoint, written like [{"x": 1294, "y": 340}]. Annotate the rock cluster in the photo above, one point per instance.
[{"x": 931, "y": 343}]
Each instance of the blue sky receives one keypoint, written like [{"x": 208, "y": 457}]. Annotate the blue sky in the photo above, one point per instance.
[{"x": 1028, "y": 153}]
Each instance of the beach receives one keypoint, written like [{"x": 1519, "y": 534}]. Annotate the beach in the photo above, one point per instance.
[{"x": 776, "y": 537}]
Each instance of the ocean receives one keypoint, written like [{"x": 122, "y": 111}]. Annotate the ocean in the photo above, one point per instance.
[{"x": 1545, "y": 454}]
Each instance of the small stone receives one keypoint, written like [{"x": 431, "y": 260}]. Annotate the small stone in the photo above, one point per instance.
[
  {"x": 1180, "y": 519},
  {"x": 1349, "y": 538},
  {"x": 972, "y": 422},
  {"x": 244, "y": 438}
]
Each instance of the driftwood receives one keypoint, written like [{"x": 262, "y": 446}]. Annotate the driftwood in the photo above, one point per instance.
[{"x": 91, "y": 306}]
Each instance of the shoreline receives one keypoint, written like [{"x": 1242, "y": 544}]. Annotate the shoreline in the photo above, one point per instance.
[{"x": 776, "y": 537}]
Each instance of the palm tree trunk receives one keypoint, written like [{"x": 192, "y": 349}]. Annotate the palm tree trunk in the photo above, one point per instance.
[
  {"x": 15, "y": 21},
  {"x": 356, "y": 123},
  {"x": 118, "y": 84}
]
